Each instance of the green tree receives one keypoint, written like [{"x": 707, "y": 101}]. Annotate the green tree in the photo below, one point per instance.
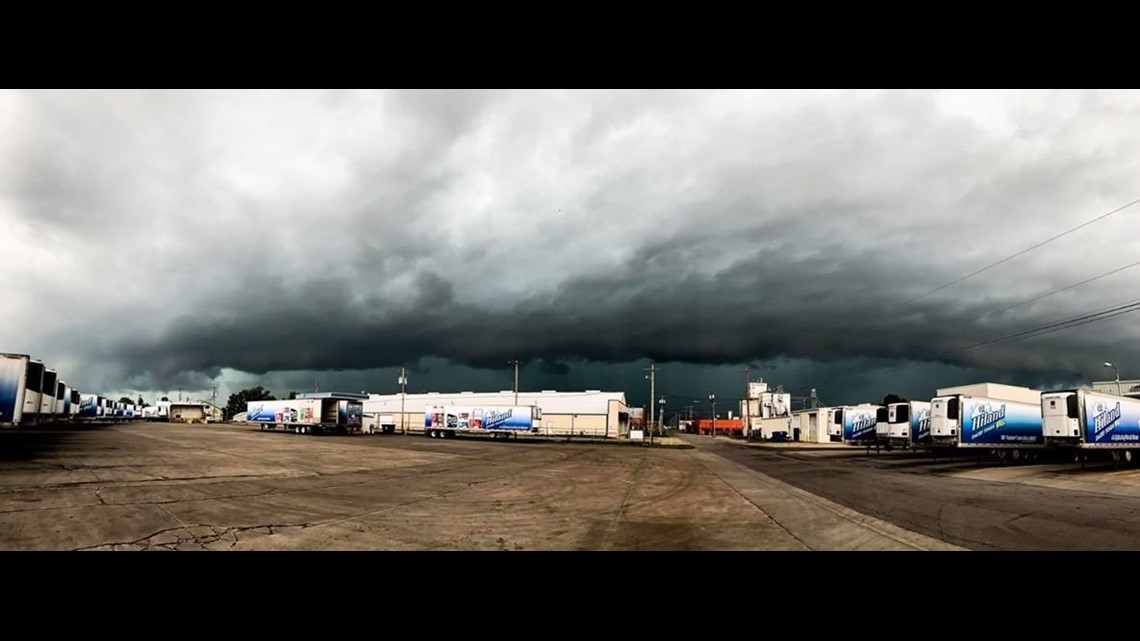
[
  {"x": 893, "y": 398},
  {"x": 292, "y": 395},
  {"x": 126, "y": 400},
  {"x": 164, "y": 399},
  {"x": 238, "y": 401}
]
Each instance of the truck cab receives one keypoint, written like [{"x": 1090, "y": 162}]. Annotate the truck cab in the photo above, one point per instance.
[{"x": 1061, "y": 417}]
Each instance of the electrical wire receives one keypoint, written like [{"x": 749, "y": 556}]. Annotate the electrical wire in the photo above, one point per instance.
[
  {"x": 1057, "y": 291},
  {"x": 1020, "y": 253}
]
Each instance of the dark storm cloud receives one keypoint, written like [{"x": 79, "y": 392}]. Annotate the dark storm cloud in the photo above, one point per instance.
[{"x": 180, "y": 238}]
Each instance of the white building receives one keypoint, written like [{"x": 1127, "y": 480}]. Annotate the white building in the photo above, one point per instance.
[
  {"x": 1130, "y": 389},
  {"x": 810, "y": 426},
  {"x": 589, "y": 413},
  {"x": 995, "y": 391}
]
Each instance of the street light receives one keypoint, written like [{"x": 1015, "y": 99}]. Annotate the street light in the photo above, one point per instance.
[
  {"x": 712, "y": 403},
  {"x": 1117, "y": 376}
]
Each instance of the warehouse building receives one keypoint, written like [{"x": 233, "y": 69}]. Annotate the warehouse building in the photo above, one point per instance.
[{"x": 589, "y": 413}]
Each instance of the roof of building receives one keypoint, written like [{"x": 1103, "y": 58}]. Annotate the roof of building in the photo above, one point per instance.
[
  {"x": 1123, "y": 388},
  {"x": 589, "y": 402},
  {"x": 343, "y": 396}
]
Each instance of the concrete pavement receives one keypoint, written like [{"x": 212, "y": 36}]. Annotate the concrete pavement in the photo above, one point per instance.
[{"x": 813, "y": 521}]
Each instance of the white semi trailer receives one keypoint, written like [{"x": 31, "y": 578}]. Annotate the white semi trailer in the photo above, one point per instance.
[
  {"x": 1084, "y": 419},
  {"x": 307, "y": 415},
  {"x": 445, "y": 421},
  {"x": 1003, "y": 418}
]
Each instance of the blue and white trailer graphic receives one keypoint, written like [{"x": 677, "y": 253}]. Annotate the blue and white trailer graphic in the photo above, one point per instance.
[
  {"x": 859, "y": 423},
  {"x": 444, "y": 421},
  {"x": 1088, "y": 419},
  {"x": 13, "y": 376},
  {"x": 88, "y": 406}
]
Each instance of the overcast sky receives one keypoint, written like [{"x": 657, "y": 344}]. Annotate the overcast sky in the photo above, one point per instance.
[{"x": 157, "y": 240}]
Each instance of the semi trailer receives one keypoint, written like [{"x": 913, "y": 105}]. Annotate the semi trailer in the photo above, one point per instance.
[
  {"x": 445, "y": 421},
  {"x": 1002, "y": 418},
  {"x": 307, "y": 415},
  {"x": 1084, "y": 419}
]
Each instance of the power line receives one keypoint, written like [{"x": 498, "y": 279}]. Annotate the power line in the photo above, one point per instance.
[
  {"x": 1020, "y": 253},
  {"x": 1057, "y": 291},
  {"x": 1060, "y": 325},
  {"x": 1041, "y": 330}
]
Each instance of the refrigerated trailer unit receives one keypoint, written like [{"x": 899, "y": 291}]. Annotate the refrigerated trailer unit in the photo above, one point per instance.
[
  {"x": 445, "y": 421},
  {"x": 1086, "y": 419},
  {"x": 909, "y": 424},
  {"x": 835, "y": 423},
  {"x": 47, "y": 396},
  {"x": 307, "y": 415},
  {"x": 62, "y": 398},
  {"x": 73, "y": 403},
  {"x": 13, "y": 388},
  {"x": 34, "y": 380},
  {"x": 882, "y": 425}
]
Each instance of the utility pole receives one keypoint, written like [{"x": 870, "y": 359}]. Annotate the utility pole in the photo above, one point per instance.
[
  {"x": 652, "y": 369},
  {"x": 747, "y": 404},
  {"x": 403, "y": 395},
  {"x": 661, "y": 416},
  {"x": 515, "y": 363}
]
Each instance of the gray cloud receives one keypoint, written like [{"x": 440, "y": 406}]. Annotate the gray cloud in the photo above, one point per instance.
[{"x": 183, "y": 238}]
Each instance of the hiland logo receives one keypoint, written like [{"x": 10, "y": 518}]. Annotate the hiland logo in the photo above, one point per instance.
[
  {"x": 1105, "y": 416},
  {"x": 862, "y": 421},
  {"x": 986, "y": 416},
  {"x": 924, "y": 421},
  {"x": 497, "y": 417}
]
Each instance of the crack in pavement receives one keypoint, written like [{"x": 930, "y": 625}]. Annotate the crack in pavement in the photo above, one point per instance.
[
  {"x": 217, "y": 534},
  {"x": 146, "y": 543},
  {"x": 624, "y": 500}
]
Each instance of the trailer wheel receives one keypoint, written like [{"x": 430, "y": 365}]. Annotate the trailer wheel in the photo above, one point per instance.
[
  {"x": 1127, "y": 456},
  {"x": 1001, "y": 456},
  {"x": 1015, "y": 455}
]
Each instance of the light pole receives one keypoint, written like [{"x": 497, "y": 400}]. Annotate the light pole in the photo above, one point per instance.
[
  {"x": 1117, "y": 377},
  {"x": 661, "y": 416},
  {"x": 712, "y": 403}
]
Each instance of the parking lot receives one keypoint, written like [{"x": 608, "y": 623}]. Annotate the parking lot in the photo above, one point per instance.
[
  {"x": 171, "y": 486},
  {"x": 226, "y": 487}
]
